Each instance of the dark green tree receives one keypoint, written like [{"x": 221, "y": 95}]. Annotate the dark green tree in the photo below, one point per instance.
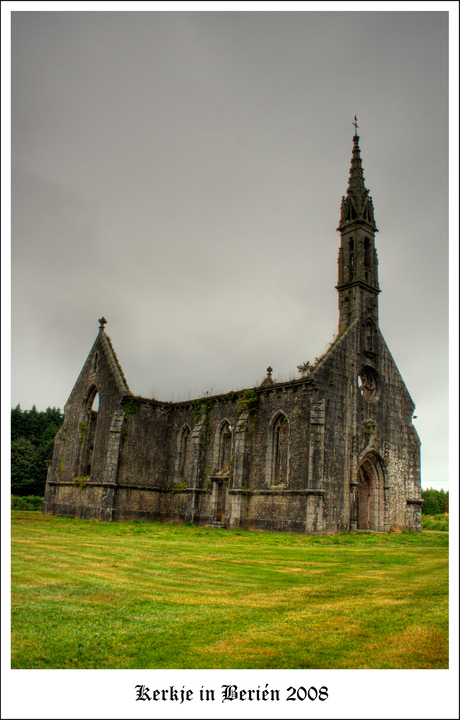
[
  {"x": 32, "y": 440},
  {"x": 435, "y": 502},
  {"x": 26, "y": 468}
]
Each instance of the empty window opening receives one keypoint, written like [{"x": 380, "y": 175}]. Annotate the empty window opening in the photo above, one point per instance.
[
  {"x": 87, "y": 433},
  {"x": 185, "y": 455},
  {"x": 368, "y": 382},
  {"x": 368, "y": 253},
  {"x": 225, "y": 448},
  {"x": 280, "y": 448},
  {"x": 95, "y": 404}
]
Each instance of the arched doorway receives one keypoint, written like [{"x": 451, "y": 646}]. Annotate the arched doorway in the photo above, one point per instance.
[{"x": 370, "y": 505}]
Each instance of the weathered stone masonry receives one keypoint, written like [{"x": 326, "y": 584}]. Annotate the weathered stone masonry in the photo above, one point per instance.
[{"x": 333, "y": 450}]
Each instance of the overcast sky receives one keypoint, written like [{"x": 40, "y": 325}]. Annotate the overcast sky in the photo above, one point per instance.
[{"x": 181, "y": 173}]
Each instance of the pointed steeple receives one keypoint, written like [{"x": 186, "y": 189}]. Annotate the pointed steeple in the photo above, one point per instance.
[
  {"x": 358, "y": 284},
  {"x": 358, "y": 203}
]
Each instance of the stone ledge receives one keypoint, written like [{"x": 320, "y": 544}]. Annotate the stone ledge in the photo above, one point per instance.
[
  {"x": 126, "y": 487},
  {"x": 233, "y": 491},
  {"x": 305, "y": 491},
  {"x": 87, "y": 484},
  {"x": 171, "y": 491}
]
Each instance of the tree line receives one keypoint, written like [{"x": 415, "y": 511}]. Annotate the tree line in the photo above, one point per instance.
[
  {"x": 435, "y": 502},
  {"x": 32, "y": 441}
]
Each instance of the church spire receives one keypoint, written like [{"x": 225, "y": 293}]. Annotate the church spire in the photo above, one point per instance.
[
  {"x": 358, "y": 203},
  {"x": 356, "y": 180},
  {"x": 358, "y": 265}
]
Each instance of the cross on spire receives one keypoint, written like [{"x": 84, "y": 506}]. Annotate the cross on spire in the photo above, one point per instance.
[{"x": 355, "y": 123}]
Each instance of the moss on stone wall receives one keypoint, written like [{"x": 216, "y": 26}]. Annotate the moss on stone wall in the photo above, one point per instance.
[
  {"x": 249, "y": 401},
  {"x": 131, "y": 407},
  {"x": 81, "y": 481},
  {"x": 83, "y": 429}
]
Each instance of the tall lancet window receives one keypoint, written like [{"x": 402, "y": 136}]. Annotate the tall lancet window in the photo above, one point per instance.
[
  {"x": 87, "y": 429},
  {"x": 225, "y": 447},
  {"x": 351, "y": 250},
  {"x": 184, "y": 465},
  {"x": 369, "y": 333},
  {"x": 280, "y": 450}
]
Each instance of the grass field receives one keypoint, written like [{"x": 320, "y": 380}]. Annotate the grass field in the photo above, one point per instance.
[
  {"x": 145, "y": 595},
  {"x": 436, "y": 522}
]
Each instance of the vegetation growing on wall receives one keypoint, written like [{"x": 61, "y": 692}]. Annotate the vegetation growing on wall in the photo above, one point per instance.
[
  {"x": 249, "y": 401},
  {"x": 82, "y": 427},
  {"x": 131, "y": 407},
  {"x": 173, "y": 489},
  {"x": 207, "y": 405},
  {"x": 305, "y": 367},
  {"x": 81, "y": 481},
  {"x": 208, "y": 474}
]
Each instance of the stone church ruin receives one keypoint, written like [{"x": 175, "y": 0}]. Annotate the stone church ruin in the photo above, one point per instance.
[{"x": 333, "y": 450}]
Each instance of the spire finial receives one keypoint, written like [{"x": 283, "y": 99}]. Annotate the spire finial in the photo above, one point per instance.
[
  {"x": 102, "y": 321},
  {"x": 355, "y": 123}
]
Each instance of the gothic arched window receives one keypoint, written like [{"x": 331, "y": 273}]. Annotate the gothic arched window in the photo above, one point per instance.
[
  {"x": 280, "y": 450},
  {"x": 87, "y": 431},
  {"x": 369, "y": 333},
  {"x": 225, "y": 448},
  {"x": 367, "y": 253},
  {"x": 184, "y": 461}
]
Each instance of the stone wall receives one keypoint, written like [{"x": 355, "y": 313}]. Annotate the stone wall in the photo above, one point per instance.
[{"x": 300, "y": 452}]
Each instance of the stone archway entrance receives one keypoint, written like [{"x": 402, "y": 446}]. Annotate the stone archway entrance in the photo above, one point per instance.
[{"x": 370, "y": 505}]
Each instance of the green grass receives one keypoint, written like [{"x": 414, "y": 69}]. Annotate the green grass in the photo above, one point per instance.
[
  {"x": 145, "y": 595},
  {"x": 436, "y": 522},
  {"x": 27, "y": 502}
]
